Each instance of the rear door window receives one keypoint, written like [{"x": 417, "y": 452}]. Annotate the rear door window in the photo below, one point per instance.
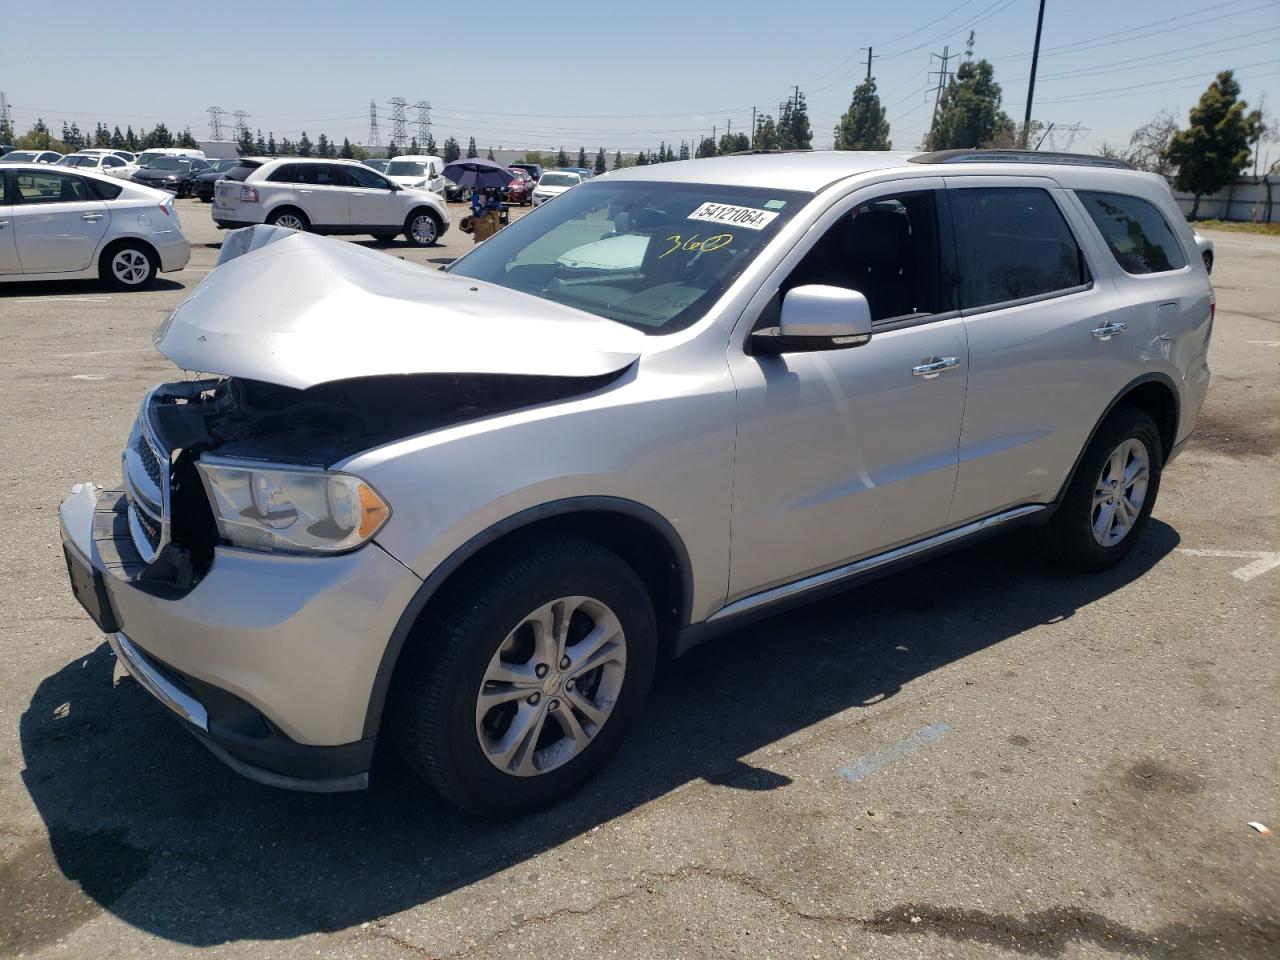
[
  {"x": 52, "y": 187},
  {"x": 1136, "y": 233},
  {"x": 361, "y": 176},
  {"x": 1013, "y": 244},
  {"x": 285, "y": 174}
]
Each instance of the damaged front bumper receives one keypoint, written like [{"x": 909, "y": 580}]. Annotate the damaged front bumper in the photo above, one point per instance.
[{"x": 268, "y": 659}]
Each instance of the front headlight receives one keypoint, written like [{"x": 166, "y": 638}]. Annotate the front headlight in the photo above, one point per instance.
[{"x": 290, "y": 509}]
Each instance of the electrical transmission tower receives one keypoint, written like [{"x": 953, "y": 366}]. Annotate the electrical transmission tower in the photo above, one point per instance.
[
  {"x": 375, "y": 138},
  {"x": 424, "y": 122},
  {"x": 1059, "y": 137},
  {"x": 215, "y": 122},
  {"x": 242, "y": 123},
  {"x": 399, "y": 124},
  {"x": 943, "y": 76}
]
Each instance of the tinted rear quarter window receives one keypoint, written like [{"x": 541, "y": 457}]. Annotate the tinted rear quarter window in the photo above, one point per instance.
[
  {"x": 1136, "y": 232},
  {"x": 103, "y": 190},
  {"x": 288, "y": 173},
  {"x": 1013, "y": 244}
]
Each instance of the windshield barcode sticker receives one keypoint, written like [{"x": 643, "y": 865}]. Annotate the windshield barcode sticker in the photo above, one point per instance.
[{"x": 749, "y": 217}]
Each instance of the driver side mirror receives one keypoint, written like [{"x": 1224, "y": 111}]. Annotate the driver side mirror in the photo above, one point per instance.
[{"x": 816, "y": 317}]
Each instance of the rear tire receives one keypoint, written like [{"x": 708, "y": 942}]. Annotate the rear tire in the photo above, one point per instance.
[
  {"x": 423, "y": 227},
  {"x": 128, "y": 265},
  {"x": 1207, "y": 257},
  {"x": 1109, "y": 499},
  {"x": 291, "y": 218},
  {"x": 488, "y": 716}
]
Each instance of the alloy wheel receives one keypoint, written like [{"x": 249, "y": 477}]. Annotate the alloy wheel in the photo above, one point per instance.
[
  {"x": 1120, "y": 492},
  {"x": 290, "y": 221},
  {"x": 551, "y": 686},
  {"x": 130, "y": 267},
  {"x": 423, "y": 229}
]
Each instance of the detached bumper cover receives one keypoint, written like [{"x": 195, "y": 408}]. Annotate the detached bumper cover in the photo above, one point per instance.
[{"x": 270, "y": 660}]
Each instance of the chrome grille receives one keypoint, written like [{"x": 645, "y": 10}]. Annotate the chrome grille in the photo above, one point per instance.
[{"x": 146, "y": 487}]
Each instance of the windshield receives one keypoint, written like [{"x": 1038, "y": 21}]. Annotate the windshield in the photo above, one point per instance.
[
  {"x": 169, "y": 163},
  {"x": 406, "y": 168},
  {"x": 559, "y": 180},
  {"x": 654, "y": 256},
  {"x": 19, "y": 156},
  {"x": 78, "y": 162}
]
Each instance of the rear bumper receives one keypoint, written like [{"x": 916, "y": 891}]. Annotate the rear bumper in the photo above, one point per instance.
[
  {"x": 270, "y": 660},
  {"x": 224, "y": 224},
  {"x": 174, "y": 250}
]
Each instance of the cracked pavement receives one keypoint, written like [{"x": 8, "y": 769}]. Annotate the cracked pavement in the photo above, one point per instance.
[{"x": 1098, "y": 744}]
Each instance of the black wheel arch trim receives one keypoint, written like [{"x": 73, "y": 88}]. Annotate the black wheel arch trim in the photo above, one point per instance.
[
  {"x": 556, "y": 508},
  {"x": 1154, "y": 377}
]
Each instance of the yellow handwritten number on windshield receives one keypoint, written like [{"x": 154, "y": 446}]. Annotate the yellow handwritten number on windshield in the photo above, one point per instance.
[{"x": 694, "y": 245}]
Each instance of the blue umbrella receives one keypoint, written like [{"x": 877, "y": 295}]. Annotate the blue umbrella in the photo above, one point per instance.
[{"x": 478, "y": 174}]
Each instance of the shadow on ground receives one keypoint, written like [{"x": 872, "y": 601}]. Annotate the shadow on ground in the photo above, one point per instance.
[
  {"x": 78, "y": 288},
  {"x": 154, "y": 829}
]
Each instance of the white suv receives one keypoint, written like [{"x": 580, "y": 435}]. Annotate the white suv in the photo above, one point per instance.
[
  {"x": 469, "y": 510},
  {"x": 330, "y": 196}
]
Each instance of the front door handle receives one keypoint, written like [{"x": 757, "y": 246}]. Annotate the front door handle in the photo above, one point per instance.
[
  {"x": 1108, "y": 330},
  {"x": 934, "y": 366},
  {"x": 91, "y": 217},
  {"x": 305, "y": 192}
]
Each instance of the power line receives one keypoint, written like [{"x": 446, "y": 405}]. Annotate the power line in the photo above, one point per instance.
[{"x": 1104, "y": 93}]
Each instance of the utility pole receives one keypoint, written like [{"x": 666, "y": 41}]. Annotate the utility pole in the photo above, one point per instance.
[
  {"x": 945, "y": 56},
  {"x": 399, "y": 123},
  {"x": 869, "y": 57},
  {"x": 1031, "y": 86}
]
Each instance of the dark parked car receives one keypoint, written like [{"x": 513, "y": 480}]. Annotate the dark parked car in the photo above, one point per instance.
[
  {"x": 237, "y": 168},
  {"x": 534, "y": 170},
  {"x": 175, "y": 174}
]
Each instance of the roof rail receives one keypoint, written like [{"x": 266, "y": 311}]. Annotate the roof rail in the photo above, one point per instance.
[{"x": 1020, "y": 156}]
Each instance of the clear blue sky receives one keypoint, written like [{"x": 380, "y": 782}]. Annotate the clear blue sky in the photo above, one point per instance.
[{"x": 621, "y": 75}]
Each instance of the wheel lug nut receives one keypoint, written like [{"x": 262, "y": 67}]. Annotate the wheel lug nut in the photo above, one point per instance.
[
  {"x": 534, "y": 698},
  {"x": 568, "y": 684},
  {"x": 540, "y": 670},
  {"x": 564, "y": 663},
  {"x": 554, "y": 705}
]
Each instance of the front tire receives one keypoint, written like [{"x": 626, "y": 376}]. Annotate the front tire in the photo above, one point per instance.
[
  {"x": 422, "y": 228},
  {"x": 290, "y": 218},
  {"x": 1110, "y": 497},
  {"x": 523, "y": 683},
  {"x": 128, "y": 266}
]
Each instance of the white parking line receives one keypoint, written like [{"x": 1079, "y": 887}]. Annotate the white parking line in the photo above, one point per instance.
[
  {"x": 1265, "y": 343},
  {"x": 1262, "y": 561},
  {"x": 63, "y": 299},
  {"x": 865, "y": 766}
]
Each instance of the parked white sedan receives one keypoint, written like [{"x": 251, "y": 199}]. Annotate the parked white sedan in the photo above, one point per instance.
[
  {"x": 553, "y": 183},
  {"x": 107, "y": 164},
  {"x": 63, "y": 224}
]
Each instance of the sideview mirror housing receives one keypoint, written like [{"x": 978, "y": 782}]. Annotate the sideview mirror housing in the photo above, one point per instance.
[{"x": 816, "y": 317}]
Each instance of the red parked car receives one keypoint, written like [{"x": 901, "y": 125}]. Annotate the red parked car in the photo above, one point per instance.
[{"x": 520, "y": 190}]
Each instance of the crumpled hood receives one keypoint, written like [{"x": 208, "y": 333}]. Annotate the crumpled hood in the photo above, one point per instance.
[{"x": 298, "y": 310}]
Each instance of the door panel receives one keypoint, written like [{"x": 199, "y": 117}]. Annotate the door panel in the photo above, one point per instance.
[
  {"x": 844, "y": 453},
  {"x": 373, "y": 202},
  {"x": 1038, "y": 375},
  {"x": 8, "y": 247},
  {"x": 57, "y": 226},
  {"x": 325, "y": 206}
]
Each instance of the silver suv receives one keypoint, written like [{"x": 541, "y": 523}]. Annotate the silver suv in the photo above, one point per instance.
[{"x": 470, "y": 510}]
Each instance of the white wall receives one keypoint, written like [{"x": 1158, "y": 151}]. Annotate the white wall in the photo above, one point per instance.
[{"x": 1248, "y": 201}]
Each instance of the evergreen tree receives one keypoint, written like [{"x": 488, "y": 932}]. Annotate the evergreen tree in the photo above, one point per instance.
[
  {"x": 733, "y": 143},
  {"x": 304, "y": 145},
  {"x": 766, "y": 133},
  {"x": 706, "y": 148},
  {"x": 6, "y": 131},
  {"x": 1215, "y": 146},
  {"x": 600, "y": 165},
  {"x": 684, "y": 149},
  {"x": 324, "y": 148},
  {"x": 413, "y": 145},
  {"x": 562, "y": 158},
  {"x": 186, "y": 139},
  {"x": 489, "y": 156},
  {"x": 102, "y": 136},
  {"x": 118, "y": 140},
  {"x": 582, "y": 157},
  {"x": 969, "y": 113},
  {"x": 661, "y": 155},
  {"x": 260, "y": 144},
  {"x": 38, "y": 137},
  {"x": 430, "y": 145},
  {"x": 346, "y": 152},
  {"x": 452, "y": 151},
  {"x": 794, "y": 132},
  {"x": 244, "y": 142},
  {"x": 271, "y": 144},
  {"x": 471, "y": 149},
  {"x": 159, "y": 136},
  {"x": 641, "y": 159},
  {"x": 131, "y": 140},
  {"x": 670, "y": 156},
  {"x": 617, "y": 160},
  {"x": 287, "y": 147},
  {"x": 863, "y": 126}
]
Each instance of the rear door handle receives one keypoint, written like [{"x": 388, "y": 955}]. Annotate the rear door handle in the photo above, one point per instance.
[
  {"x": 1108, "y": 330},
  {"x": 91, "y": 217},
  {"x": 934, "y": 366},
  {"x": 305, "y": 192}
]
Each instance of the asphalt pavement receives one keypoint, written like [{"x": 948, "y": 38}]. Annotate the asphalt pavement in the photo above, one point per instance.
[{"x": 981, "y": 757}]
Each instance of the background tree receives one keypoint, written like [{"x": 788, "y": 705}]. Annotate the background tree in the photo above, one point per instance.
[
  {"x": 451, "y": 150},
  {"x": 642, "y": 159},
  {"x": 304, "y": 145},
  {"x": 600, "y": 165},
  {"x": 1215, "y": 146},
  {"x": 271, "y": 144},
  {"x": 562, "y": 158},
  {"x": 346, "y": 152},
  {"x": 37, "y": 138},
  {"x": 244, "y": 143},
  {"x": 158, "y": 136},
  {"x": 260, "y": 144},
  {"x": 1150, "y": 141},
  {"x": 6, "y": 131},
  {"x": 766, "y": 137},
  {"x": 118, "y": 139},
  {"x": 863, "y": 126},
  {"x": 471, "y": 148},
  {"x": 582, "y": 157},
  {"x": 131, "y": 140},
  {"x": 187, "y": 139},
  {"x": 102, "y": 136},
  {"x": 969, "y": 113},
  {"x": 617, "y": 160},
  {"x": 794, "y": 132},
  {"x": 706, "y": 148},
  {"x": 733, "y": 143},
  {"x": 413, "y": 145},
  {"x": 430, "y": 145},
  {"x": 288, "y": 148},
  {"x": 489, "y": 156},
  {"x": 684, "y": 150}
]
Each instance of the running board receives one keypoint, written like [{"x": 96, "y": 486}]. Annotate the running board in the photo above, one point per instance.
[{"x": 849, "y": 570}]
